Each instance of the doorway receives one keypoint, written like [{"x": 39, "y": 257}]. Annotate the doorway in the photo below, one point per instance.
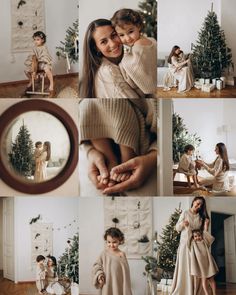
[{"x": 218, "y": 247}]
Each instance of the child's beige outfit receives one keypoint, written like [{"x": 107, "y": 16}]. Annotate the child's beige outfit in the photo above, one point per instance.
[
  {"x": 139, "y": 67},
  {"x": 187, "y": 165},
  {"x": 202, "y": 264},
  {"x": 40, "y": 277},
  {"x": 43, "y": 57},
  {"x": 116, "y": 271}
]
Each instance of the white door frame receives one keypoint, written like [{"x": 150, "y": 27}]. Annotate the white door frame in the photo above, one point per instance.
[{"x": 8, "y": 239}]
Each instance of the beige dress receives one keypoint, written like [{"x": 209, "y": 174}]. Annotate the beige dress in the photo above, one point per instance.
[
  {"x": 109, "y": 83},
  {"x": 187, "y": 165},
  {"x": 139, "y": 67},
  {"x": 220, "y": 180},
  {"x": 43, "y": 56},
  {"x": 53, "y": 287},
  {"x": 183, "y": 282},
  {"x": 116, "y": 271},
  {"x": 41, "y": 169},
  {"x": 182, "y": 72},
  {"x": 40, "y": 277},
  {"x": 202, "y": 264}
]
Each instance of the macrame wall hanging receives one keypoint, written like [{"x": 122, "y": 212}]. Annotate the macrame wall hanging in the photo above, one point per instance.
[
  {"x": 133, "y": 216},
  {"x": 41, "y": 240},
  {"x": 27, "y": 17}
]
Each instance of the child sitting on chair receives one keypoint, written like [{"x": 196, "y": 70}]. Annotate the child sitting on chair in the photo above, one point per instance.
[
  {"x": 187, "y": 165},
  {"x": 39, "y": 59}
]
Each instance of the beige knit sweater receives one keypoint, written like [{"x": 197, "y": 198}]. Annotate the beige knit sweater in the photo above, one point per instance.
[
  {"x": 109, "y": 83},
  {"x": 139, "y": 67},
  {"x": 42, "y": 55},
  {"x": 115, "y": 269},
  {"x": 129, "y": 122}
]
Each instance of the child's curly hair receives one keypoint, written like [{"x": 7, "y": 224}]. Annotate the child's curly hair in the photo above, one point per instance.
[
  {"x": 114, "y": 232},
  {"x": 40, "y": 35},
  {"x": 127, "y": 16}
]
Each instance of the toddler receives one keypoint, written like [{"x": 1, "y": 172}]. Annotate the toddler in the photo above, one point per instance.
[
  {"x": 111, "y": 270},
  {"x": 202, "y": 264},
  {"x": 187, "y": 165},
  {"x": 39, "y": 59},
  {"x": 40, "y": 274},
  {"x": 139, "y": 63}
]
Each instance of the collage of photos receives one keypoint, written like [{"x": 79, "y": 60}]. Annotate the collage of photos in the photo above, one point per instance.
[{"x": 117, "y": 156}]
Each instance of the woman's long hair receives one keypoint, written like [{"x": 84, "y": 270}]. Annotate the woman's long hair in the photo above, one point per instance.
[
  {"x": 54, "y": 264},
  {"x": 203, "y": 210},
  {"x": 92, "y": 60},
  {"x": 48, "y": 146},
  {"x": 224, "y": 155},
  {"x": 172, "y": 53}
]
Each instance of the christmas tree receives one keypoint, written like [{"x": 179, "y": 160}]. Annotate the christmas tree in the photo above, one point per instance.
[
  {"x": 70, "y": 47},
  {"x": 149, "y": 13},
  {"x": 181, "y": 137},
  {"x": 21, "y": 156},
  {"x": 168, "y": 246},
  {"x": 211, "y": 56},
  {"x": 68, "y": 263}
]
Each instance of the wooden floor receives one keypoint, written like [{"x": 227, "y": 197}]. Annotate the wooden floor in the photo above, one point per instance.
[
  {"x": 15, "y": 90},
  {"x": 228, "y": 92}
]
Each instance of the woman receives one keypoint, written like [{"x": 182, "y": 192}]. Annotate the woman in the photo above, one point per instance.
[
  {"x": 53, "y": 287},
  {"x": 127, "y": 122},
  {"x": 181, "y": 69},
  {"x": 194, "y": 218},
  {"x": 101, "y": 75},
  {"x": 218, "y": 169},
  {"x": 41, "y": 170}
]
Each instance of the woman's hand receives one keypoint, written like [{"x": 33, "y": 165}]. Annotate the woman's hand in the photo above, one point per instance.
[
  {"x": 206, "y": 224},
  {"x": 140, "y": 167},
  {"x": 200, "y": 162},
  {"x": 186, "y": 223},
  {"x": 97, "y": 167}
]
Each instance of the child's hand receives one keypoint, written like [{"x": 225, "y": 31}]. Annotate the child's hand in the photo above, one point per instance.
[{"x": 101, "y": 281}]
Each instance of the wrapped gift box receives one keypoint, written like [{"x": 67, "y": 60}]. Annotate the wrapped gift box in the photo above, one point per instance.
[{"x": 208, "y": 87}]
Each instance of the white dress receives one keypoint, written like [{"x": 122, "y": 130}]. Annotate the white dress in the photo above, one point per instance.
[
  {"x": 182, "y": 72},
  {"x": 53, "y": 287},
  {"x": 183, "y": 282},
  {"x": 219, "y": 179},
  {"x": 41, "y": 169}
]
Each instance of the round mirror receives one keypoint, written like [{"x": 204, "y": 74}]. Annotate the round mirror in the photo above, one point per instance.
[{"x": 39, "y": 146}]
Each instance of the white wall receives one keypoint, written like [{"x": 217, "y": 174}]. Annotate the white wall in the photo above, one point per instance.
[
  {"x": 1, "y": 231},
  {"x": 90, "y": 10},
  {"x": 180, "y": 21},
  {"x": 70, "y": 187},
  {"x": 92, "y": 244},
  {"x": 206, "y": 118},
  {"x": 59, "y": 211},
  {"x": 59, "y": 15},
  {"x": 228, "y": 24},
  {"x": 222, "y": 205}
]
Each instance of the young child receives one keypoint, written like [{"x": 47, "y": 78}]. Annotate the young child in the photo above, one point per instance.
[
  {"x": 139, "y": 63},
  {"x": 187, "y": 165},
  {"x": 111, "y": 270},
  {"x": 202, "y": 264},
  {"x": 44, "y": 61},
  {"x": 53, "y": 287},
  {"x": 40, "y": 274}
]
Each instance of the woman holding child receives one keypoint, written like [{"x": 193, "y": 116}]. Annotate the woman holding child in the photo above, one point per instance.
[
  {"x": 118, "y": 61},
  {"x": 192, "y": 276}
]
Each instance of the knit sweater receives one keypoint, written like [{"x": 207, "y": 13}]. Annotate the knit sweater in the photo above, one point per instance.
[
  {"x": 42, "y": 55},
  {"x": 115, "y": 269},
  {"x": 139, "y": 67},
  {"x": 109, "y": 83},
  {"x": 129, "y": 122}
]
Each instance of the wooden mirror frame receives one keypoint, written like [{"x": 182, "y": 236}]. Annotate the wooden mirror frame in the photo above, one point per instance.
[{"x": 51, "y": 108}]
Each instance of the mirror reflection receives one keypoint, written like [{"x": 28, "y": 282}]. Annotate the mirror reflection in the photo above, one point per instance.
[{"x": 35, "y": 146}]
